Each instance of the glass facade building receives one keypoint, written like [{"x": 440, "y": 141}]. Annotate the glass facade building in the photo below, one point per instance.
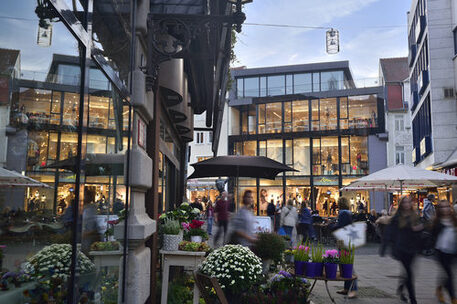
[{"x": 326, "y": 135}]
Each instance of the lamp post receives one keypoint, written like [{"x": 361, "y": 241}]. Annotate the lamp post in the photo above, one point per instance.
[{"x": 238, "y": 15}]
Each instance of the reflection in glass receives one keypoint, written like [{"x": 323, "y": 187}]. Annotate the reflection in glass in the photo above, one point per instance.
[
  {"x": 344, "y": 123},
  {"x": 302, "y": 83},
  {"x": 289, "y": 84},
  {"x": 263, "y": 86},
  {"x": 276, "y": 85},
  {"x": 288, "y": 116},
  {"x": 239, "y": 87},
  {"x": 251, "y": 87},
  {"x": 263, "y": 148},
  {"x": 252, "y": 119},
  {"x": 328, "y": 117},
  {"x": 331, "y": 81},
  {"x": 71, "y": 109},
  {"x": 315, "y": 117},
  {"x": 250, "y": 148},
  {"x": 316, "y": 82},
  {"x": 274, "y": 149},
  {"x": 359, "y": 155},
  {"x": 262, "y": 116},
  {"x": 301, "y": 156},
  {"x": 35, "y": 104}
]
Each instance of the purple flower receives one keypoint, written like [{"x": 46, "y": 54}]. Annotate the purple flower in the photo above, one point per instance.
[{"x": 285, "y": 274}]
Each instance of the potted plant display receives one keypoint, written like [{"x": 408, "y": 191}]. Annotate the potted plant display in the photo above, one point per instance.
[
  {"x": 301, "y": 258},
  {"x": 195, "y": 232},
  {"x": 269, "y": 247},
  {"x": 316, "y": 266},
  {"x": 236, "y": 268},
  {"x": 192, "y": 246},
  {"x": 347, "y": 262},
  {"x": 171, "y": 235},
  {"x": 331, "y": 260}
]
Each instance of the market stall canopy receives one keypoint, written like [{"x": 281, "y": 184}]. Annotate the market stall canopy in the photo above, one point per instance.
[
  {"x": 239, "y": 166},
  {"x": 401, "y": 177},
  {"x": 10, "y": 178}
]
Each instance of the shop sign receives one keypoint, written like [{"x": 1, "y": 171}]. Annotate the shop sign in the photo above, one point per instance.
[
  {"x": 326, "y": 181},
  {"x": 141, "y": 133},
  {"x": 4, "y": 90},
  {"x": 422, "y": 146}
]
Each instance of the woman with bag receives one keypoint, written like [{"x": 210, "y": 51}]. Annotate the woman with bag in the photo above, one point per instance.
[
  {"x": 403, "y": 236},
  {"x": 444, "y": 232},
  {"x": 289, "y": 217}
]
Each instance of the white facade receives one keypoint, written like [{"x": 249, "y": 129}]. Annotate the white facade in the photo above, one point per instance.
[{"x": 437, "y": 43}]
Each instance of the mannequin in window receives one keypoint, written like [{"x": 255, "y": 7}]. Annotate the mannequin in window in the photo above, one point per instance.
[{"x": 263, "y": 201}]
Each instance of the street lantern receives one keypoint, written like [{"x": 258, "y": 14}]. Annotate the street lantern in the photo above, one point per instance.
[
  {"x": 238, "y": 15},
  {"x": 332, "y": 41}
]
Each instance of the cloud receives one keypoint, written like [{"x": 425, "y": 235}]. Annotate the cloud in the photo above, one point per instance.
[{"x": 261, "y": 46}]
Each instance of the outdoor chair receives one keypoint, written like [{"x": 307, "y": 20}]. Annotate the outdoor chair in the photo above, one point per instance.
[{"x": 205, "y": 284}]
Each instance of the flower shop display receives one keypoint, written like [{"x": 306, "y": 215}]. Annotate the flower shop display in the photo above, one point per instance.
[
  {"x": 194, "y": 231},
  {"x": 315, "y": 267},
  {"x": 301, "y": 258},
  {"x": 184, "y": 213},
  {"x": 236, "y": 268},
  {"x": 171, "y": 235},
  {"x": 331, "y": 260},
  {"x": 347, "y": 262},
  {"x": 193, "y": 246},
  {"x": 283, "y": 287},
  {"x": 105, "y": 246},
  {"x": 15, "y": 278}
]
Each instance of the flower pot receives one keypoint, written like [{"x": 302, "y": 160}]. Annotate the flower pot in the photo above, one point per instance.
[
  {"x": 300, "y": 267},
  {"x": 330, "y": 270},
  {"x": 314, "y": 269},
  {"x": 171, "y": 242},
  {"x": 346, "y": 270},
  {"x": 196, "y": 238}
]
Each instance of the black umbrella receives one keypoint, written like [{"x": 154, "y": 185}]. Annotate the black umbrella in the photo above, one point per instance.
[{"x": 239, "y": 166}]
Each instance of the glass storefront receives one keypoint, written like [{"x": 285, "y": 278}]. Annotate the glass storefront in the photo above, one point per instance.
[{"x": 71, "y": 136}]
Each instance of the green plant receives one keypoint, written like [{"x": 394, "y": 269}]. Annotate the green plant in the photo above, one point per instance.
[
  {"x": 171, "y": 227},
  {"x": 301, "y": 253},
  {"x": 236, "y": 267},
  {"x": 193, "y": 246},
  {"x": 269, "y": 246},
  {"x": 184, "y": 213},
  {"x": 105, "y": 246},
  {"x": 331, "y": 256},
  {"x": 317, "y": 253},
  {"x": 347, "y": 255},
  {"x": 198, "y": 232}
]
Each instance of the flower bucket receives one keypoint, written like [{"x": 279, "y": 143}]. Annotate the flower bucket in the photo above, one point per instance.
[
  {"x": 171, "y": 242},
  {"x": 300, "y": 267},
  {"x": 330, "y": 270},
  {"x": 346, "y": 270},
  {"x": 196, "y": 238},
  {"x": 314, "y": 269}
]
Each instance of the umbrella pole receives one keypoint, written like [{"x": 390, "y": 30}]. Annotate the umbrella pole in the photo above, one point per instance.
[{"x": 401, "y": 188}]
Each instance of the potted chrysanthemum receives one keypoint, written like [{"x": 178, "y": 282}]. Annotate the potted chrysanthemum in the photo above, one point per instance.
[{"x": 236, "y": 268}]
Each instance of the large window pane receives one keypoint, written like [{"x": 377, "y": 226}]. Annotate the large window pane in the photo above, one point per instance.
[
  {"x": 239, "y": 88},
  {"x": 329, "y": 152},
  {"x": 33, "y": 106},
  {"x": 273, "y": 117},
  {"x": 276, "y": 85},
  {"x": 289, "y": 84},
  {"x": 288, "y": 116},
  {"x": 263, "y": 148},
  {"x": 251, "y": 87},
  {"x": 261, "y": 118},
  {"x": 300, "y": 116},
  {"x": 344, "y": 123},
  {"x": 331, "y": 81},
  {"x": 98, "y": 109},
  {"x": 250, "y": 148},
  {"x": 315, "y": 117},
  {"x": 316, "y": 82},
  {"x": 363, "y": 111},
  {"x": 71, "y": 109},
  {"x": 302, "y": 156},
  {"x": 274, "y": 149},
  {"x": 328, "y": 117},
  {"x": 252, "y": 119},
  {"x": 302, "y": 83},
  {"x": 263, "y": 86}
]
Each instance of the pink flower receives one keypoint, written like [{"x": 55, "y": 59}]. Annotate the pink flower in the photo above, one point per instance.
[
  {"x": 185, "y": 226},
  {"x": 301, "y": 247}
]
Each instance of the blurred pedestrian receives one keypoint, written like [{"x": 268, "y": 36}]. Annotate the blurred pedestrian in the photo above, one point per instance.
[
  {"x": 333, "y": 208},
  {"x": 289, "y": 217},
  {"x": 222, "y": 216},
  {"x": 242, "y": 224},
  {"x": 197, "y": 204},
  {"x": 305, "y": 223},
  {"x": 403, "y": 237},
  {"x": 344, "y": 219},
  {"x": 209, "y": 212},
  {"x": 271, "y": 211},
  {"x": 444, "y": 231}
]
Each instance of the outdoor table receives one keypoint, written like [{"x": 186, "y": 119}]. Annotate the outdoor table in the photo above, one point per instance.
[
  {"x": 337, "y": 279},
  {"x": 189, "y": 259}
]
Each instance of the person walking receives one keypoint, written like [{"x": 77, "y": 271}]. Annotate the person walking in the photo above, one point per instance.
[
  {"x": 344, "y": 219},
  {"x": 289, "y": 218},
  {"x": 222, "y": 216},
  {"x": 403, "y": 237},
  {"x": 305, "y": 223},
  {"x": 444, "y": 231},
  {"x": 271, "y": 211},
  {"x": 242, "y": 224},
  {"x": 209, "y": 212}
]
